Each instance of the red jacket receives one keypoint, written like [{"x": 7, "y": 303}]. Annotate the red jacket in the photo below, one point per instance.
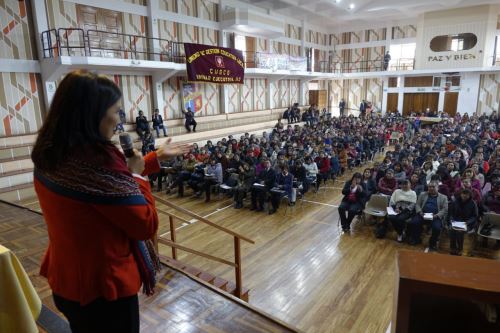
[{"x": 90, "y": 231}]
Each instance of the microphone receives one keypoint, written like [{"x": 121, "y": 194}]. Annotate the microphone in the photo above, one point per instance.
[{"x": 126, "y": 144}]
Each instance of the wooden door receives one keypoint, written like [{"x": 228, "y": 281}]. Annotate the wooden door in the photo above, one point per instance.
[
  {"x": 318, "y": 97},
  {"x": 250, "y": 52},
  {"x": 106, "y": 41},
  {"x": 317, "y": 64},
  {"x": 451, "y": 103},
  {"x": 392, "y": 102},
  {"x": 111, "y": 22},
  {"x": 419, "y": 102}
]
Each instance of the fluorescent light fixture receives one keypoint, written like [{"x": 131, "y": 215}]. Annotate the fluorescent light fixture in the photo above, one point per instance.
[{"x": 351, "y": 6}]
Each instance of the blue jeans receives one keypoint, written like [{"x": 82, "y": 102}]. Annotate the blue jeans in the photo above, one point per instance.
[
  {"x": 157, "y": 129},
  {"x": 416, "y": 226}
]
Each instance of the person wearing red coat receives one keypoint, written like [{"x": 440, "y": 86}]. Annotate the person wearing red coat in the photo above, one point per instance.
[
  {"x": 98, "y": 207},
  {"x": 323, "y": 163}
]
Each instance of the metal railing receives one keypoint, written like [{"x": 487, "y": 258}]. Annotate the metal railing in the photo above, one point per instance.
[
  {"x": 79, "y": 42},
  {"x": 402, "y": 64},
  {"x": 92, "y": 42},
  {"x": 173, "y": 243}
]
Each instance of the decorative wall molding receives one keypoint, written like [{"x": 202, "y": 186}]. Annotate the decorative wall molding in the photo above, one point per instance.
[{"x": 19, "y": 66}]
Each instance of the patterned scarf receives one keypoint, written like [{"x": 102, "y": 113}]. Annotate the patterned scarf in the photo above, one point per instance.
[{"x": 111, "y": 185}]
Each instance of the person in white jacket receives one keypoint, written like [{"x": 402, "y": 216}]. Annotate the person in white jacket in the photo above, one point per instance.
[
  {"x": 403, "y": 203},
  {"x": 311, "y": 170}
]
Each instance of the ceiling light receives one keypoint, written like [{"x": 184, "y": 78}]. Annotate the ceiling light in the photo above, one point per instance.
[{"x": 351, "y": 6}]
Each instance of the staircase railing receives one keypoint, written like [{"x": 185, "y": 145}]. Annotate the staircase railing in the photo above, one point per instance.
[{"x": 172, "y": 242}]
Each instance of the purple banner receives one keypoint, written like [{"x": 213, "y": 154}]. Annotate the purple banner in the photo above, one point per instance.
[{"x": 214, "y": 64}]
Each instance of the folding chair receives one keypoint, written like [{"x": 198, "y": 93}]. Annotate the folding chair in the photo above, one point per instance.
[
  {"x": 376, "y": 206},
  {"x": 488, "y": 229}
]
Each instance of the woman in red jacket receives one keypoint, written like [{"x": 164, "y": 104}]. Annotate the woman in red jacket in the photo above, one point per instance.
[{"x": 98, "y": 208}]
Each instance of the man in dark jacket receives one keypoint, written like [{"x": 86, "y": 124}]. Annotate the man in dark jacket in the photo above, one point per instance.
[
  {"x": 284, "y": 184},
  {"x": 432, "y": 207},
  {"x": 141, "y": 124},
  {"x": 387, "y": 59},
  {"x": 158, "y": 123},
  {"x": 464, "y": 209},
  {"x": 362, "y": 109},
  {"x": 342, "y": 107},
  {"x": 266, "y": 180},
  {"x": 189, "y": 120}
]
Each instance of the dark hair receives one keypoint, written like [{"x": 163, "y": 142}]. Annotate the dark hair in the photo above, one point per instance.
[
  {"x": 356, "y": 175},
  {"x": 80, "y": 103}
]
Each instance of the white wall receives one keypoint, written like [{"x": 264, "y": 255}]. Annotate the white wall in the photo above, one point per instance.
[
  {"x": 469, "y": 93},
  {"x": 479, "y": 20}
]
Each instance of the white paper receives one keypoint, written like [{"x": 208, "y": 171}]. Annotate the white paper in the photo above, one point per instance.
[
  {"x": 459, "y": 225},
  {"x": 391, "y": 211},
  {"x": 428, "y": 216},
  {"x": 257, "y": 184}
]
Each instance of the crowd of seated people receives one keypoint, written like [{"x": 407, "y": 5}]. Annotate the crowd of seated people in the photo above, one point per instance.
[
  {"x": 432, "y": 171},
  {"x": 285, "y": 163},
  {"x": 442, "y": 174}
]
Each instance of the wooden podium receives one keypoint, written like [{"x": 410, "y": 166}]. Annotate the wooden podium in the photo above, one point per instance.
[
  {"x": 444, "y": 293},
  {"x": 318, "y": 97}
]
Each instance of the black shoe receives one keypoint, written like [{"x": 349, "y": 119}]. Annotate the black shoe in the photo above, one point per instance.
[
  {"x": 259, "y": 210},
  {"x": 432, "y": 248},
  {"x": 253, "y": 208},
  {"x": 272, "y": 211}
]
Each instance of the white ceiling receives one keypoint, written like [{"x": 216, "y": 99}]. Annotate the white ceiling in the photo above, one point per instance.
[{"x": 335, "y": 14}]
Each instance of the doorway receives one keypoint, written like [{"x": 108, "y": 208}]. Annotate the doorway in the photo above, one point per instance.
[
  {"x": 450, "y": 103},
  {"x": 419, "y": 102}
]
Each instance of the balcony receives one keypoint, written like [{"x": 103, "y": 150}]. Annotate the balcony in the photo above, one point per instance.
[
  {"x": 66, "y": 49},
  {"x": 365, "y": 66}
]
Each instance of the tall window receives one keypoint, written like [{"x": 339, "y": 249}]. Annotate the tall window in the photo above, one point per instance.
[
  {"x": 457, "y": 44},
  {"x": 240, "y": 43},
  {"x": 496, "y": 57},
  {"x": 402, "y": 56}
]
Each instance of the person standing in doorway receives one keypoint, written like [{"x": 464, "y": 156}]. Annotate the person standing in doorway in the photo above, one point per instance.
[
  {"x": 387, "y": 59},
  {"x": 342, "y": 107}
]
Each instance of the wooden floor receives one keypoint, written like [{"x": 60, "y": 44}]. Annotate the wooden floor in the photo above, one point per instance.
[
  {"x": 302, "y": 269},
  {"x": 179, "y": 304}
]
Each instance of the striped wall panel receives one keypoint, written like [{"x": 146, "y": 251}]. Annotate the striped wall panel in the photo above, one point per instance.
[
  {"x": 136, "y": 90},
  {"x": 172, "y": 96},
  {"x": 210, "y": 95},
  {"x": 284, "y": 87},
  {"x": 261, "y": 45},
  {"x": 21, "y": 106},
  {"x": 259, "y": 99},
  {"x": 16, "y": 40},
  {"x": 136, "y": 2},
  {"x": 294, "y": 91},
  {"x": 61, "y": 14},
  {"x": 489, "y": 94},
  {"x": 404, "y": 31},
  {"x": 374, "y": 91},
  {"x": 135, "y": 25},
  {"x": 336, "y": 92},
  {"x": 169, "y": 5},
  {"x": 247, "y": 95},
  {"x": 233, "y": 96}
]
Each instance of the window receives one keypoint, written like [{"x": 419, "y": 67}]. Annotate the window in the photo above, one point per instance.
[
  {"x": 458, "y": 42},
  {"x": 240, "y": 43},
  {"x": 402, "y": 56},
  {"x": 496, "y": 57}
]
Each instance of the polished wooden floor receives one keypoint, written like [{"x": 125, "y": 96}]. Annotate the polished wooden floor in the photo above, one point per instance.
[
  {"x": 302, "y": 269},
  {"x": 179, "y": 304}
]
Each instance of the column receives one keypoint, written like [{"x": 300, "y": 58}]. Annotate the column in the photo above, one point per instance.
[
  {"x": 401, "y": 93},
  {"x": 41, "y": 25},
  {"x": 385, "y": 87},
  {"x": 153, "y": 44}
]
